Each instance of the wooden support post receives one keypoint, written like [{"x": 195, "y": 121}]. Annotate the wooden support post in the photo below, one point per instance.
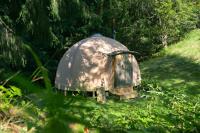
[
  {"x": 101, "y": 96},
  {"x": 56, "y": 90},
  {"x": 107, "y": 94},
  {"x": 93, "y": 94},
  {"x": 65, "y": 92},
  {"x": 73, "y": 93},
  {"x": 83, "y": 93}
]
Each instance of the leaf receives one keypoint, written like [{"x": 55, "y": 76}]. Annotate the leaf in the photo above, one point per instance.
[{"x": 16, "y": 91}]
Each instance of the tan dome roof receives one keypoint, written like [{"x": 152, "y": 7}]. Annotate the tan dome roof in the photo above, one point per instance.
[
  {"x": 89, "y": 64},
  {"x": 101, "y": 44}
]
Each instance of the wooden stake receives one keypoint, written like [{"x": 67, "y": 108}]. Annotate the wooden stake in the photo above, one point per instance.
[
  {"x": 65, "y": 92},
  {"x": 93, "y": 94},
  {"x": 101, "y": 97}
]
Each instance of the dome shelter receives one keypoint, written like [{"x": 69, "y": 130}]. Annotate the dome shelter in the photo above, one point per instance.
[{"x": 98, "y": 62}]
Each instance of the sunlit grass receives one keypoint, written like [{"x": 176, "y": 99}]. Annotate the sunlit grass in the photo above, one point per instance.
[
  {"x": 179, "y": 66},
  {"x": 169, "y": 99}
]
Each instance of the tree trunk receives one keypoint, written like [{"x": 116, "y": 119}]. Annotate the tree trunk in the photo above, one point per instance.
[{"x": 164, "y": 38}]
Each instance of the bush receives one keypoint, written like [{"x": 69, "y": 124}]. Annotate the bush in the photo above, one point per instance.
[{"x": 8, "y": 96}]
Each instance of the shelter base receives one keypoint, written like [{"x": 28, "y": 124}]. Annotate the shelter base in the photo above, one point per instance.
[{"x": 125, "y": 92}]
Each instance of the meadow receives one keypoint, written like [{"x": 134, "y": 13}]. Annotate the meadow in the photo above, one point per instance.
[{"x": 169, "y": 100}]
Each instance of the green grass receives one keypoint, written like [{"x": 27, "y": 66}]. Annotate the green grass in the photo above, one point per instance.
[
  {"x": 169, "y": 100},
  {"x": 178, "y": 66}
]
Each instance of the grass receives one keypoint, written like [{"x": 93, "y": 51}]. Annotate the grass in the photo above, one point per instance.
[
  {"x": 169, "y": 100},
  {"x": 178, "y": 66}
]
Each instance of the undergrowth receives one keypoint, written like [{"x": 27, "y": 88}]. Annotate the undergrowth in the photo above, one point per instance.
[{"x": 169, "y": 100}]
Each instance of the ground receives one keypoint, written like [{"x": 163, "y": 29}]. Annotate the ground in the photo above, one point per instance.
[{"x": 169, "y": 100}]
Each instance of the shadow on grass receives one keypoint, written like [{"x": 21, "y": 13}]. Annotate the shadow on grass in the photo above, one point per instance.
[
  {"x": 70, "y": 114},
  {"x": 61, "y": 113},
  {"x": 52, "y": 112},
  {"x": 175, "y": 72}
]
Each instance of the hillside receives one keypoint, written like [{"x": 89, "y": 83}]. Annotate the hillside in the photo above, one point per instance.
[
  {"x": 169, "y": 100},
  {"x": 178, "y": 66}
]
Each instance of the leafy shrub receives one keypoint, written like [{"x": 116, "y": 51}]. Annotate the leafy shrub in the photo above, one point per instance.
[
  {"x": 8, "y": 95},
  {"x": 158, "y": 109}
]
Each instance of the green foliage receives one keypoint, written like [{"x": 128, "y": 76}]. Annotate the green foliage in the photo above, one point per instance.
[
  {"x": 158, "y": 110},
  {"x": 8, "y": 95},
  {"x": 169, "y": 94},
  {"x": 11, "y": 49},
  {"x": 169, "y": 99},
  {"x": 152, "y": 25},
  {"x": 43, "y": 70},
  {"x": 52, "y": 26}
]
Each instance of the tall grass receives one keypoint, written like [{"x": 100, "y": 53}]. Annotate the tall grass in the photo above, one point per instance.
[{"x": 169, "y": 99}]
